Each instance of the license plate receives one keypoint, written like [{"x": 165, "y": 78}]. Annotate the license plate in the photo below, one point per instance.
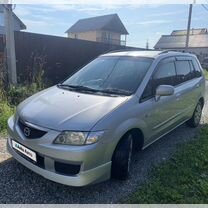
[{"x": 24, "y": 150}]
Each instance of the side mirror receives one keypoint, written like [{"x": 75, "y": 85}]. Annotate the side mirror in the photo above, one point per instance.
[{"x": 164, "y": 90}]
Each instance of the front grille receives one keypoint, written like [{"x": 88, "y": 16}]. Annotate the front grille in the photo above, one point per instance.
[
  {"x": 29, "y": 132},
  {"x": 66, "y": 169}
]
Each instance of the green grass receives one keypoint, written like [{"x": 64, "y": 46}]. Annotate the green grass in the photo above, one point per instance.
[
  {"x": 5, "y": 112},
  {"x": 182, "y": 179},
  {"x": 12, "y": 97},
  {"x": 206, "y": 74}
]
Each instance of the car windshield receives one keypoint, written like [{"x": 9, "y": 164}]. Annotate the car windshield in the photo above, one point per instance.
[{"x": 115, "y": 75}]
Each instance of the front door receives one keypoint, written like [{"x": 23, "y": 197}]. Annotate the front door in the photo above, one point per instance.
[{"x": 160, "y": 116}]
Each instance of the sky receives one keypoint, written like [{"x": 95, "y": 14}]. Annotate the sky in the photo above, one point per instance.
[{"x": 142, "y": 21}]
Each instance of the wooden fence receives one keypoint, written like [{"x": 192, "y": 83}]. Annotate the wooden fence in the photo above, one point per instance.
[{"x": 58, "y": 56}]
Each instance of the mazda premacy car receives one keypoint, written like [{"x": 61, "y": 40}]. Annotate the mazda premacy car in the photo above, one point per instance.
[{"x": 85, "y": 129}]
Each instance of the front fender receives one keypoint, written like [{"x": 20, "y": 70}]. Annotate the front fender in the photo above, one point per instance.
[{"x": 116, "y": 134}]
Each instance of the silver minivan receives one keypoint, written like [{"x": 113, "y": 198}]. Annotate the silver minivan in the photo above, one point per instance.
[{"x": 85, "y": 129}]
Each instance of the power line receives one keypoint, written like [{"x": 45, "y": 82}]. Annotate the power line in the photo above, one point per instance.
[{"x": 204, "y": 7}]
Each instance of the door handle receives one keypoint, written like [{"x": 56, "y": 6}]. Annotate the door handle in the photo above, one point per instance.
[
  {"x": 198, "y": 85},
  {"x": 178, "y": 95}
]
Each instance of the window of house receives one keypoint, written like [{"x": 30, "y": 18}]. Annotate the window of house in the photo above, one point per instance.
[{"x": 104, "y": 35}]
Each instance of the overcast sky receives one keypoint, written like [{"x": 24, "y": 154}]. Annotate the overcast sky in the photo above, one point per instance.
[{"x": 142, "y": 21}]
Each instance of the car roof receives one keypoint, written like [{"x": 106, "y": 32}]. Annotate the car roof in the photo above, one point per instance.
[{"x": 146, "y": 53}]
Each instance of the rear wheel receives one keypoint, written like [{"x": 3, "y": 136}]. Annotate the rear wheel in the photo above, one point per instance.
[
  {"x": 122, "y": 158},
  {"x": 195, "y": 119}
]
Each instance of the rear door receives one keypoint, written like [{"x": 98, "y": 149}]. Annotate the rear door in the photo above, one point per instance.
[{"x": 187, "y": 86}]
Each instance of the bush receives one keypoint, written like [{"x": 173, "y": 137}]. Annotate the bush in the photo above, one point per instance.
[
  {"x": 5, "y": 112},
  {"x": 17, "y": 94},
  {"x": 11, "y": 98}
]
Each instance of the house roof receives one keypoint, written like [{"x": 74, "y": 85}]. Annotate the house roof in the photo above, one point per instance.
[
  {"x": 22, "y": 25},
  {"x": 178, "y": 40},
  {"x": 110, "y": 22},
  {"x": 192, "y": 31}
]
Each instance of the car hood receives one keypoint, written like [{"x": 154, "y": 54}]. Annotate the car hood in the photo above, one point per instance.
[{"x": 59, "y": 109}]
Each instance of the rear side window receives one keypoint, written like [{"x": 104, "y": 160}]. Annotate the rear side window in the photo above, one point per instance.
[
  {"x": 184, "y": 71},
  {"x": 198, "y": 72}
]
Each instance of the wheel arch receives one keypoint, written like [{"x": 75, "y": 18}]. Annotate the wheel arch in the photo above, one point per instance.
[
  {"x": 201, "y": 100},
  {"x": 137, "y": 136}
]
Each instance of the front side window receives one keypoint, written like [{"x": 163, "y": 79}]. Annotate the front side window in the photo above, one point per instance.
[
  {"x": 165, "y": 75},
  {"x": 112, "y": 74}
]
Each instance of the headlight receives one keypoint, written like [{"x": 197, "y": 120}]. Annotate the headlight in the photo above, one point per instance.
[
  {"x": 78, "y": 138},
  {"x": 93, "y": 137}
]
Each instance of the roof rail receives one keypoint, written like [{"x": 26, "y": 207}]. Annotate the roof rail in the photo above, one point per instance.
[
  {"x": 126, "y": 49},
  {"x": 167, "y": 51}
]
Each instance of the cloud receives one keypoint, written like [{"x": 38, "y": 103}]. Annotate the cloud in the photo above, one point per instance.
[
  {"x": 82, "y": 7},
  {"x": 166, "y": 14},
  {"x": 36, "y": 24},
  {"x": 62, "y": 7},
  {"x": 21, "y": 11},
  {"x": 150, "y": 22},
  {"x": 108, "y": 2}
]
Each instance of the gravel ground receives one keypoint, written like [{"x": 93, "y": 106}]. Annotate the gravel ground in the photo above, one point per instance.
[
  {"x": 4, "y": 155},
  {"x": 20, "y": 185}
]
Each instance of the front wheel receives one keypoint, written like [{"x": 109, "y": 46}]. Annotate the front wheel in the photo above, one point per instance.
[
  {"x": 122, "y": 158},
  {"x": 195, "y": 119}
]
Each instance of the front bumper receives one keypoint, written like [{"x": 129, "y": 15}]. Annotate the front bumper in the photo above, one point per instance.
[{"x": 93, "y": 166}]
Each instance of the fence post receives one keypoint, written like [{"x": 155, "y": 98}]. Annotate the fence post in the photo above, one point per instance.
[{"x": 10, "y": 44}]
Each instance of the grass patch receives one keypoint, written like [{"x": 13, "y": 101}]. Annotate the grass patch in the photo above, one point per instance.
[
  {"x": 5, "y": 112},
  {"x": 12, "y": 97},
  {"x": 182, "y": 179},
  {"x": 206, "y": 74}
]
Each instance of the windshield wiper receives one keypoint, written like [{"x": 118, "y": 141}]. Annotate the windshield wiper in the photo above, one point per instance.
[
  {"x": 77, "y": 87},
  {"x": 106, "y": 91},
  {"x": 116, "y": 91},
  {"x": 65, "y": 86}
]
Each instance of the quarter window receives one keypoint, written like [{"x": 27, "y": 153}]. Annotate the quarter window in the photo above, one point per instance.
[
  {"x": 198, "y": 72},
  {"x": 183, "y": 70}
]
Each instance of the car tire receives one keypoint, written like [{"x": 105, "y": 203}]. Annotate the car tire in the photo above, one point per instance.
[
  {"x": 122, "y": 158},
  {"x": 195, "y": 119}
]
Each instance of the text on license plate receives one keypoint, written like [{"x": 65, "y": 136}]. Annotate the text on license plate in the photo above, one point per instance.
[{"x": 27, "y": 152}]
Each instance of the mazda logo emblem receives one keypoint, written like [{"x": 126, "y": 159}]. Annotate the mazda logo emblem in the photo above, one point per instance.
[{"x": 27, "y": 131}]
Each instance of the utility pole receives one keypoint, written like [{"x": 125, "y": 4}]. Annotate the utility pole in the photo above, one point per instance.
[
  {"x": 10, "y": 44},
  {"x": 189, "y": 26},
  {"x": 147, "y": 44}
]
